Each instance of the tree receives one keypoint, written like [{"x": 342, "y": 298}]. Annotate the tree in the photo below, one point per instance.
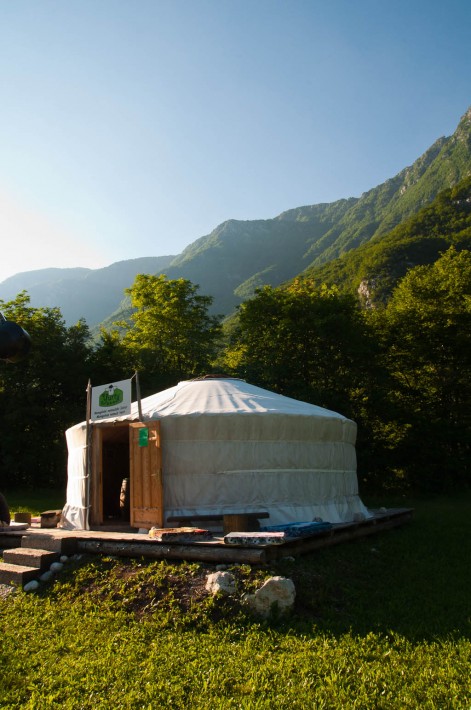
[
  {"x": 426, "y": 335},
  {"x": 41, "y": 396},
  {"x": 110, "y": 359},
  {"x": 315, "y": 344},
  {"x": 305, "y": 342},
  {"x": 171, "y": 336}
]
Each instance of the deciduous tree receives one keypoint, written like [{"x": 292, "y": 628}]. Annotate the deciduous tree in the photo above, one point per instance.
[
  {"x": 426, "y": 336},
  {"x": 171, "y": 336},
  {"x": 41, "y": 396}
]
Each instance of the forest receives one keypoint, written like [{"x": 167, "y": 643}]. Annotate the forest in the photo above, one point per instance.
[
  {"x": 401, "y": 370},
  {"x": 393, "y": 355}
]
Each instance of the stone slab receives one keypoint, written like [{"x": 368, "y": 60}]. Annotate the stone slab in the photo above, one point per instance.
[
  {"x": 31, "y": 557},
  {"x": 255, "y": 538},
  {"x": 16, "y": 575},
  {"x": 52, "y": 543},
  {"x": 179, "y": 534},
  {"x": 14, "y": 526}
]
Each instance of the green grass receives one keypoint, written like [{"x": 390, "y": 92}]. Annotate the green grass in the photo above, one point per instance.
[
  {"x": 384, "y": 622},
  {"x": 34, "y": 501}
]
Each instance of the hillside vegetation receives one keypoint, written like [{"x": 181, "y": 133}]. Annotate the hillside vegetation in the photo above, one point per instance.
[{"x": 376, "y": 267}]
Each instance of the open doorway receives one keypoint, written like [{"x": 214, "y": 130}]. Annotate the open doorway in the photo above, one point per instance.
[
  {"x": 111, "y": 475},
  {"x": 126, "y": 487}
]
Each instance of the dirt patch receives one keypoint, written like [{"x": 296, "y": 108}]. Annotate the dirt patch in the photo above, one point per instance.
[{"x": 6, "y": 590}]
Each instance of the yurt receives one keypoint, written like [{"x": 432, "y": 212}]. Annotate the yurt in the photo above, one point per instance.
[{"x": 213, "y": 446}]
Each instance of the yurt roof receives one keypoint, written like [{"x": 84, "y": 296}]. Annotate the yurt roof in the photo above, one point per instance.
[{"x": 211, "y": 396}]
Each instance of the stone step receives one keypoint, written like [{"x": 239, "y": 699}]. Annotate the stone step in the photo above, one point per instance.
[
  {"x": 53, "y": 543},
  {"x": 31, "y": 557},
  {"x": 8, "y": 540},
  {"x": 16, "y": 575}
]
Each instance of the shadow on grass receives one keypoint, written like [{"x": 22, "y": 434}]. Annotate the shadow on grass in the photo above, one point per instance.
[{"x": 414, "y": 580}]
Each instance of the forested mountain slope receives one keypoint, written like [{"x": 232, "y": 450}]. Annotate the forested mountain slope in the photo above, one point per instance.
[
  {"x": 374, "y": 268},
  {"x": 443, "y": 165},
  {"x": 238, "y": 256}
]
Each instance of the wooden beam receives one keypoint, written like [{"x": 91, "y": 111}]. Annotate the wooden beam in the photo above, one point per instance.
[{"x": 196, "y": 552}]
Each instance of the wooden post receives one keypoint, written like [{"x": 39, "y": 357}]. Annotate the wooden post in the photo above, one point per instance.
[
  {"x": 138, "y": 396},
  {"x": 88, "y": 447}
]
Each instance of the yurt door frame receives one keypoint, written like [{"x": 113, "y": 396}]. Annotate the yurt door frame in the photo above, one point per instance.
[{"x": 145, "y": 472}]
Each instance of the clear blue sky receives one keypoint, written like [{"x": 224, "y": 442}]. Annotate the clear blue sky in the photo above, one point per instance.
[{"x": 131, "y": 128}]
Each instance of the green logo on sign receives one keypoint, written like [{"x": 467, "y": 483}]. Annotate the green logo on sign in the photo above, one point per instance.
[{"x": 110, "y": 397}]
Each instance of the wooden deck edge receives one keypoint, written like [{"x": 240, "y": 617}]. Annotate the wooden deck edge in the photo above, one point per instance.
[
  {"x": 216, "y": 551},
  {"x": 341, "y": 534}
]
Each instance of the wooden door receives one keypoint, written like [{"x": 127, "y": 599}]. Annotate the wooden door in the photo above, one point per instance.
[
  {"x": 95, "y": 515},
  {"x": 147, "y": 507}
]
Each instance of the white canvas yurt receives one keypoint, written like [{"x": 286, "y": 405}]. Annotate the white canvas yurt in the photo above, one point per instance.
[{"x": 214, "y": 446}]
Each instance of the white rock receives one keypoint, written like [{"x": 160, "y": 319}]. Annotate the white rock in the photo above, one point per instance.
[
  {"x": 46, "y": 576},
  {"x": 276, "y": 592},
  {"x": 31, "y": 586},
  {"x": 64, "y": 558},
  {"x": 222, "y": 582},
  {"x": 56, "y": 567}
]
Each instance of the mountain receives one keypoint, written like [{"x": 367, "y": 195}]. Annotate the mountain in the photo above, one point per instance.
[
  {"x": 81, "y": 293},
  {"x": 444, "y": 164},
  {"x": 239, "y": 256}
]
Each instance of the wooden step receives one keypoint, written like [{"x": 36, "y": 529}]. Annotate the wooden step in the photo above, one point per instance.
[
  {"x": 16, "y": 575},
  {"x": 31, "y": 557}
]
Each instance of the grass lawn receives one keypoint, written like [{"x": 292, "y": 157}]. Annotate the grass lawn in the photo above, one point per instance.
[
  {"x": 383, "y": 622},
  {"x": 34, "y": 501}
]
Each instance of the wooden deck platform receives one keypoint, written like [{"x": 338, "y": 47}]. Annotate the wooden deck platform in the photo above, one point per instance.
[{"x": 127, "y": 543}]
